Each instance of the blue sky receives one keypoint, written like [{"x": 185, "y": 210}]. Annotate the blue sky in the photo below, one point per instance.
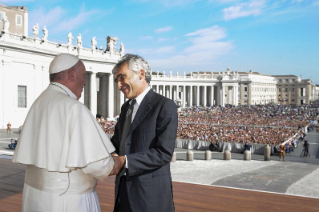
[{"x": 266, "y": 36}]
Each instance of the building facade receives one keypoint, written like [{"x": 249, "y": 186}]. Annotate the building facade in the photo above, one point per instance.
[
  {"x": 292, "y": 90},
  {"x": 217, "y": 88},
  {"x": 17, "y": 18},
  {"x": 24, "y": 74}
]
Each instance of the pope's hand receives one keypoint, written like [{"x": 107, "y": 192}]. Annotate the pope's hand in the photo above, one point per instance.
[{"x": 119, "y": 162}]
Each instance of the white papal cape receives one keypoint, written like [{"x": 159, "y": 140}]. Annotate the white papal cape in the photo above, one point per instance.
[{"x": 65, "y": 150}]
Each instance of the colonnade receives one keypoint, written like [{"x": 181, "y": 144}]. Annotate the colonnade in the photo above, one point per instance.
[
  {"x": 199, "y": 95},
  {"x": 99, "y": 94},
  {"x": 103, "y": 98}
]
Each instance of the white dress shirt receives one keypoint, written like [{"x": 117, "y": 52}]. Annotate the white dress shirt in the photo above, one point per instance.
[{"x": 138, "y": 102}]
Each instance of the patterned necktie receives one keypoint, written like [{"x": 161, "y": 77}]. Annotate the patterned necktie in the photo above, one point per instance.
[{"x": 127, "y": 126}]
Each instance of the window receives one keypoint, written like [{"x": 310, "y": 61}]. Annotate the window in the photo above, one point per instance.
[
  {"x": 293, "y": 89},
  {"x": 246, "y": 88},
  {"x": 1, "y": 15},
  {"x": 279, "y": 89},
  {"x": 22, "y": 96},
  {"x": 19, "y": 20},
  {"x": 293, "y": 100},
  {"x": 286, "y": 89}
]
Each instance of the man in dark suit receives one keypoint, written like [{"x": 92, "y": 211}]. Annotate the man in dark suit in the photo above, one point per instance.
[{"x": 144, "y": 139}]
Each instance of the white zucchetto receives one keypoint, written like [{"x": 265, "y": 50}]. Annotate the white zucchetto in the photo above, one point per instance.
[{"x": 62, "y": 62}]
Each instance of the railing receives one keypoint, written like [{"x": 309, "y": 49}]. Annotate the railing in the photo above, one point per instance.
[
  {"x": 200, "y": 77},
  {"x": 57, "y": 47}
]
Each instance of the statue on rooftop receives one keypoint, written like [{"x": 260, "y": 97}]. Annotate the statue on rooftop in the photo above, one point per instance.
[
  {"x": 111, "y": 41},
  {"x": 35, "y": 30},
  {"x": 70, "y": 39},
  {"x": 122, "y": 50},
  {"x": 93, "y": 43},
  {"x": 6, "y": 23},
  {"x": 45, "y": 33},
  {"x": 79, "y": 41}
]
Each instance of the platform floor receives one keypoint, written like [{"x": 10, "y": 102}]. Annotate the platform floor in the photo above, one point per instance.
[{"x": 187, "y": 196}]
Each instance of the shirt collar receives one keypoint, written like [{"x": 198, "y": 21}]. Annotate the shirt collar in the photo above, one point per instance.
[
  {"x": 65, "y": 89},
  {"x": 140, "y": 97}
]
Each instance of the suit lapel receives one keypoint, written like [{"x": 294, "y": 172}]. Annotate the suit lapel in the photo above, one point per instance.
[
  {"x": 145, "y": 107},
  {"x": 123, "y": 117}
]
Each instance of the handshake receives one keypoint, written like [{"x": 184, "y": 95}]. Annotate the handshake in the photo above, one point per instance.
[{"x": 119, "y": 163}]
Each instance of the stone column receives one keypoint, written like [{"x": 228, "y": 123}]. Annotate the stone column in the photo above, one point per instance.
[
  {"x": 225, "y": 98},
  {"x": 170, "y": 92},
  {"x": 234, "y": 96},
  {"x": 298, "y": 96},
  {"x": 236, "y": 103},
  {"x": 249, "y": 94},
  {"x": 184, "y": 95},
  {"x": 308, "y": 93},
  {"x": 223, "y": 95},
  {"x": 229, "y": 95},
  {"x": 93, "y": 94},
  {"x": 110, "y": 112},
  {"x": 219, "y": 95},
  {"x": 191, "y": 96},
  {"x": 205, "y": 96},
  {"x": 242, "y": 94},
  {"x": 212, "y": 96},
  {"x": 103, "y": 97},
  {"x": 197, "y": 97},
  {"x": 157, "y": 89}
]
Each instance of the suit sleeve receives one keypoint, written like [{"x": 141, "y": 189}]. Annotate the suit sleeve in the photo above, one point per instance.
[
  {"x": 116, "y": 137},
  {"x": 161, "y": 153}
]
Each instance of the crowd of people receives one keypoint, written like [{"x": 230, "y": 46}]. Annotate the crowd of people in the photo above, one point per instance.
[
  {"x": 258, "y": 124},
  {"x": 271, "y": 124},
  {"x": 107, "y": 125}
]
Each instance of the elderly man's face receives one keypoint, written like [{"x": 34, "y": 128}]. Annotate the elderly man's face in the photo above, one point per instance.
[
  {"x": 129, "y": 82},
  {"x": 80, "y": 79}
]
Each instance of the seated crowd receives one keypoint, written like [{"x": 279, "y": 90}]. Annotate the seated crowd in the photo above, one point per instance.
[{"x": 258, "y": 124}]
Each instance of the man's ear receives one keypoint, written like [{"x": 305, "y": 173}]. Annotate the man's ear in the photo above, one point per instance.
[
  {"x": 142, "y": 74},
  {"x": 72, "y": 75}
]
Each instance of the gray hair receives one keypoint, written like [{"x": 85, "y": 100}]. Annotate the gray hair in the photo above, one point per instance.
[
  {"x": 58, "y": 76},
  {"x": 135, "y": 63}
]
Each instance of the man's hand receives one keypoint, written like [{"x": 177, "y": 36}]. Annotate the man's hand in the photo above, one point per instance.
[{"x": 119, "y": 162}]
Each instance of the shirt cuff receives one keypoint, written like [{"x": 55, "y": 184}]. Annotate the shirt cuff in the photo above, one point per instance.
[{"x": 126, "y": 162}]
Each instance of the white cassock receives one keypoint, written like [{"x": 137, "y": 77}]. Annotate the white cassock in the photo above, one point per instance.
[{"x": 65, "y": 150}]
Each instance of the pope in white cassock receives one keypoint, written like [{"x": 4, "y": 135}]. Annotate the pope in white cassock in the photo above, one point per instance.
[{"x": 65, "y": 149}]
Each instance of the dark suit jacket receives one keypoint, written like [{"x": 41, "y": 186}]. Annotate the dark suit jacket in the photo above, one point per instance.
[{"x": 149, "y": 147}]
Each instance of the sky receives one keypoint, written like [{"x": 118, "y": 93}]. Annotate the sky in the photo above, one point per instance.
[{"x": 272, "y": 37}]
